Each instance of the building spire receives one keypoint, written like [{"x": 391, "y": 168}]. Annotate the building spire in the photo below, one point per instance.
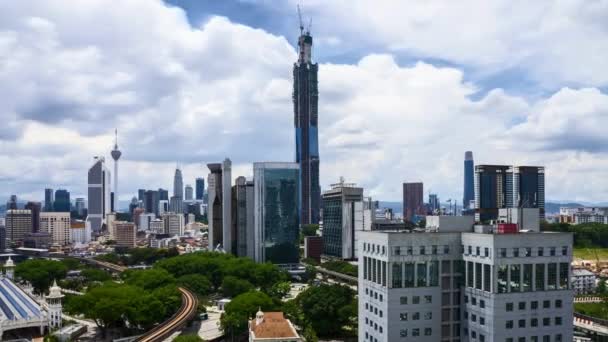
[{"x": 116, "y": 138}]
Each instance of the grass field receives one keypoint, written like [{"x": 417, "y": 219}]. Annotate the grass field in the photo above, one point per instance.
[
  {"x": 591, "y": 253},
  {"x": 599, "y": 310}
]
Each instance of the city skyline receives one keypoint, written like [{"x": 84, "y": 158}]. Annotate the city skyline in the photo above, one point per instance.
[{"x": 472, "y": 96}]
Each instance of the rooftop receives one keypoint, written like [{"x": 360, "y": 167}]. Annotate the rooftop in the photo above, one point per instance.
[{"x": 274, "y": 325}]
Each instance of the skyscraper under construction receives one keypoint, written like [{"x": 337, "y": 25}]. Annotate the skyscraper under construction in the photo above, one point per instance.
[{"x": 305, "y": 107}]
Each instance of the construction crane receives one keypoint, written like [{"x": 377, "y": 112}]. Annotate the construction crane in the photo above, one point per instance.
[{"x": 300, "y": 18}]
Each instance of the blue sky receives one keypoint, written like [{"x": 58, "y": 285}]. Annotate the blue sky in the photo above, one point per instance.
[{"x": 405, "y": 88}]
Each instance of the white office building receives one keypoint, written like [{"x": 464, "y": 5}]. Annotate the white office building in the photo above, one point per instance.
[
  {"x": 452, "y": 284},
  {"x": 174, "y": 224}
]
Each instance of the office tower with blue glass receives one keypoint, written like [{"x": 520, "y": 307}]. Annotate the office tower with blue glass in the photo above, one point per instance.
[
  {"x": 62, "y": 201},
  {"x": 276, "y": 212},
  {"x": 49, "y": 198},
  {"x": 178, "y": 184},
  {"x": 200, "y": 188},
  {"x": 468, "y": 197},
  {"x": 305, "y": 105}
]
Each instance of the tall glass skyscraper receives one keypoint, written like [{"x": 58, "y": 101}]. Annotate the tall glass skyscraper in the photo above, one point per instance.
[
  {"x": 276, "y": 212},
  {"x": 178, "y": 184},
  {"x": 200, "y": 188},
  {"x": 469, "y": 181},
  {"x": 62, "y": 201},
  {"x": 49, "y": 198},
  {"x": 305, "y": 106}
]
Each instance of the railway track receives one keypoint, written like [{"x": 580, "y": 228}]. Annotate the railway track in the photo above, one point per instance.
[{"x": 185, "y": 313}]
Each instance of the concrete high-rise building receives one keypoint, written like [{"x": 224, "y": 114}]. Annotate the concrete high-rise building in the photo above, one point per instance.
[
  {"x": 49, "y": 198},
  {"x": 176, "y": 204},
  {"x": 469, "y": 181},
  {"x": 163, "y": 195},
  {"x": 57, "y": 225},
  {"x": 174, "y": 223},
  {"x": 18, "y": 223},
  {"x": 34, "y": 207},
  {"x": 455, "y": 284},
  {"x": 125, "y": 234},
  {"x": 220, "y": 204},
  {"x": 342, "y": 220},
  {"x": 80, "y": 206},
  {"x": 200, "y": 188},
  {"x": 505, "y": 186},
  {"x": 62, "y": 201},
  {"x": 115, "y": 155},
  {"x": 151, "y": 201},
  {"x": 163, "y": 207},
  {"x": 178, "y": 184},
  {"x": 305, "y": 107},
  {"x": 2, "y": 236},
  {"x": 413, "y": 202},
  {"x": 99, "y": 181},
  {"x": 276, "y": 214},
  {"x": 188, "y": 192},
  {"x": 242, "y": 217}
]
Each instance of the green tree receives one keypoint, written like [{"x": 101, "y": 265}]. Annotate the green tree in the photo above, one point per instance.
[
  {"x": 601, "y": 287},
  {"x": 188, "y": 338},
  {"x": 280, "y": 290},
  {"x": 197, "y": 283},
  {"x": 41, "y": 273},
  {"x": 233, "y": 286},
  {"x": 241, "y": 308},
  {"x": 93, "y": 274},
  {"x": 328, "y": 308},
  {"x": 148, "y": 279}
]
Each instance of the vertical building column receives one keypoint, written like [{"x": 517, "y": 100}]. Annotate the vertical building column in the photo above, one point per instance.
[{"x": 546, "y": 274}]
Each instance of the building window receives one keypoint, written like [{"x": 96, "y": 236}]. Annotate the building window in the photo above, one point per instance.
[
  {"x": 552, "y": 251},
  {"x": 403, "y": 300},
  {"x": 397, "y": 275},
  {"x": 564, "y": 268},
  {"x": 522, "y": 305},
  {"x": 365, "y": 268},
  {"x": 397, "y": 250},
  {"x": 422, "y": 250},
  {"x": 477, "y": 249},
  {"x": 509, "y": 324},
  {"x": 469, "y": 274},
  {"x": 409, "y": 274},
  {"x": 515, "y": 252},
  {"x": 546, "y": 304},
  {"x": 428, "y": 332},
  {"x": 473, "y": 318},
  {"x": 446, "y": 249},
  {"x": 503, "y": 252},
  {"x": 528, "y": 251},
  {"x": 558, "y": 303},
  {"x": 473, "y": 300},
  {"x": 541, "y": 251},
  {"x": 434, "y": 249},
  {"x": 521, "y": 323},
  {"x": 421, "y": 274},
  {"x": 502, "y": 278},
  {"x": 482, "y": 303},
  {"x": 478, "y": 276},
  {"x": 428, "y": 299},
  {"x": 434, "y": 273},
  {"x": 527, "y": 280},
  {"x": 403, "y": 316},
  {"x": 416, "y": 300},
  {"x": 403, "y": 332},
  {"x": 558, "y": 321},
  {"x": 515, "y": 278},
  {"x": 540, "y": 277},
  {"x": 486, "y": 252},
  {"x": 470, "y": 249},
  {"x": 546, "y": 321},
  {"x": 558, "y": 338},
  {"x": 410, "y": 250},
  {"x": 487, "y": 278},
  {"x": 551, "y": 276},
  {"x": 428, "y": 315},
  {"x": 416, "y": 332},
  {"x": 564, "y": 250},
  {"x": 416, "y": 316},
  {"x": 482, "y": 321},
  {"x": 534, "y": 322},
  {"x": 509, "y": 307}
]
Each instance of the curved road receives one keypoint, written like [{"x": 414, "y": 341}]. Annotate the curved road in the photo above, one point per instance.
[{"x": 185, "y": 313}]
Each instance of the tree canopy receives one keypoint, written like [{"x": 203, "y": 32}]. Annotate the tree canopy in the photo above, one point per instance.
[
  {"x": 241, "y": 308},
  {"x": 328, "y": 308},
  {"x": 41, "y": 273}
]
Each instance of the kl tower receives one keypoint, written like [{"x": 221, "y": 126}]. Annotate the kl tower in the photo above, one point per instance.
[{"x": 116, "y": 155}]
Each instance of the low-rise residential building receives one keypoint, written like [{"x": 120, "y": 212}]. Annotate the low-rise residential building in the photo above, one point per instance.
[
  {"x": 583, "y": 281},
  {"x": 272, "y": 326}
]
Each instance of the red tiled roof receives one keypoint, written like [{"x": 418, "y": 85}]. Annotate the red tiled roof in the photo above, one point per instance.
[{"x": 274, "y": 325}]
